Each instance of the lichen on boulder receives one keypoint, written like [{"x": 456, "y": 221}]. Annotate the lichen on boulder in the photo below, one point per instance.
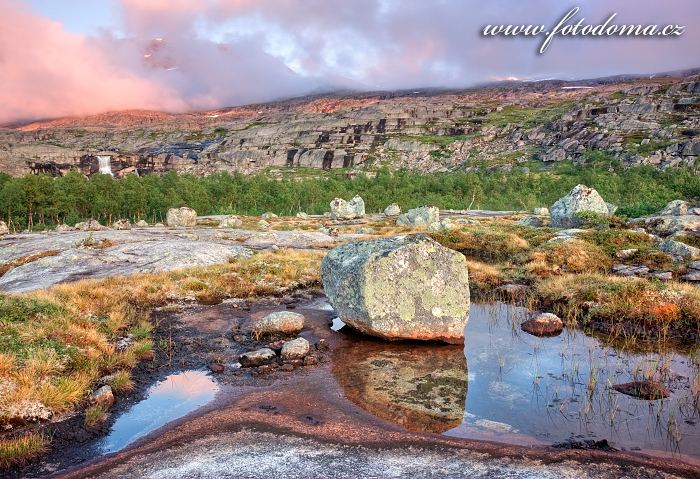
[
  {"x": 565, "y": 213},
  {"x": 405, "y": 287},
  {"x": 347, "y": 210},
  {"x": 181, "y": 217},
  {"x": 423, "y": 216}
]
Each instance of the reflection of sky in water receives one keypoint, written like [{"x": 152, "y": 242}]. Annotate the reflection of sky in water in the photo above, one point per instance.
[
  {"x": 165, "y": 401},
  {"x": 537, "y": 389}
]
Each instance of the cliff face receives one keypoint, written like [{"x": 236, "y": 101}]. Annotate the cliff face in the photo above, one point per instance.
[{"x": 639, "y": 121}]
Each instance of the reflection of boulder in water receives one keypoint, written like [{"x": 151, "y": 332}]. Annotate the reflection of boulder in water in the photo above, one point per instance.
[{"x": 420, "y": 388}]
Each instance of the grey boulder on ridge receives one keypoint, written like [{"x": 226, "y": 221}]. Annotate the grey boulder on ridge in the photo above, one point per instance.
[{"x": 565, "y": 211}]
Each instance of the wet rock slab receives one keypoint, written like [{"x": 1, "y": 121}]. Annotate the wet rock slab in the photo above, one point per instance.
[
  {"x": 253, "y": 454},
  {"x": 125, "y": 252},
  {"x": 119, "y": 260}
]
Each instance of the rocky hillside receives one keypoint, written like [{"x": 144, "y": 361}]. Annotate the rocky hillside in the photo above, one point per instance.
[{"x": 653, "y": 121}]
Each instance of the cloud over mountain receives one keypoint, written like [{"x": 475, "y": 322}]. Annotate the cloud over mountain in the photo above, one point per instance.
[{"x": 177, "y": 55}]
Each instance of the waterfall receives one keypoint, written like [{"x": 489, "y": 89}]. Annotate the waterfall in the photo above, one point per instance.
[{"x": 105, "y": 163}]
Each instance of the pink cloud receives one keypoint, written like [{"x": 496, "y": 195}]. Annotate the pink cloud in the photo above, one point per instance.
[
  {"x": 47, "y": 71},
  {"x": 216, "y": 53}
]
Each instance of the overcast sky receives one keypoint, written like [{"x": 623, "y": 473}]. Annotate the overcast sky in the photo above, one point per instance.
[{"x": 72, "y": 57}]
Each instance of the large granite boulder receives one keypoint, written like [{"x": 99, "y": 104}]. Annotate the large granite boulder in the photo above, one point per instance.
[
  {"x": 3, "y": 228},
  {"x": 565, "y": 211},
  {"x": 392, "y": 210},
  {"x": 347, "y": 210},
  {"x": 405, "y": 287},
  {"x": 423, "y": 216},
  {"x": 122, "y": 224},
  {"x": 230, "y": 222},
  {"x": 90, "y": 225},
  {"x": 181, "y": 217}
]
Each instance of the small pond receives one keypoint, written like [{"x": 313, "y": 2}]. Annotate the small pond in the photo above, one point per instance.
[
  {"x": 508, "y": 386},
  {"x": 170, "y": 399}
]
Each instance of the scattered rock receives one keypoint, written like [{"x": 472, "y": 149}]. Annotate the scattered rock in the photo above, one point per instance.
[
  {"x": 125, "y": 342},
  {"x": 347, "y": 210},
  {"x": 532, "y": 221},
  {"x": 626, "y": 253},
  {"x": 540, "y": 211},
  {"x": 122, "y": 225},
  {"x": 230, "y": 222},
  {"x": 181, "y": 217},
  {"x": 444, "y": 224},
  {"x": 141, "y": 224},
  {"x": 159, "y": 225},
  {"x": 580, "y": 199},
  {"x": 423, "y": 216},
  {"x": 676, "y": 248},
  {"x": 694, "y": 265},
  {"x": 302, "y": 216},
  {"x": 62, "y": 228},
  {"x": 663, "y": 275},
  {"x": 671, "y": 225},
  {"x": 466, "y": 221},
  {"x": 281, "y": 322},
  {"x": 392, "y": 210},
  {"x": 216, "y": 367},
  {"x": 543, "y": 324},
  {"x": 405, "y": 287},
  {"x": 692, "y": 276},
  {"x": 263, "y": 225},
  {"x": 295, "y": 349},
  {"x": 257, "y": 357},
  {"x": 647, "y": 389},
  {"x": 268, "y": 216},
  {"x": 90, "y": 225},
  {"x": 630, "y": 270},
  {"x": 103, "y": 396},
  {"x": 24, "y": 412},
  {"x": 3, "y": 228},
  {"x": 674, "y": 208},
  {"x": 366, "y": 230},
  {"x": 310, "y": 360}
]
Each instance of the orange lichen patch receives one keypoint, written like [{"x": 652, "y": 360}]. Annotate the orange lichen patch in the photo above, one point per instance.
[{"x": 665, "y": 311}]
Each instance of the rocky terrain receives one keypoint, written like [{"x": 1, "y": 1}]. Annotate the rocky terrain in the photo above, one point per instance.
[{"x": 650, "y": 121}]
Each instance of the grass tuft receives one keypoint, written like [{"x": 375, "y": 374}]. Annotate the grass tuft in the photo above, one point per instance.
[{"x": 19, "y": 451}]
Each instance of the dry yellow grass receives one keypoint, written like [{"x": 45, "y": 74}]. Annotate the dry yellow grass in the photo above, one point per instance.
[
  {"x": 626, "y": 306},
  {"x": 573, "y": 256},
  {"x": 484, "y": 277},
  {"x": 55, "y": 344},
  {"x": 20, "y": 450}
]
